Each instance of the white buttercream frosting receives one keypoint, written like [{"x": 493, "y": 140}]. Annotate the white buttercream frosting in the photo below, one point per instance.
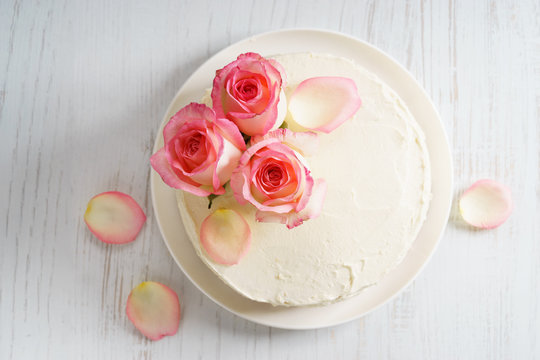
[{"x": 377, "y": 169}]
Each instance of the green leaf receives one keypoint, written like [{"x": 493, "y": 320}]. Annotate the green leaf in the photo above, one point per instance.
[
  {"x": 246, "y": 138},
  {"x": 211, "y": 198}
]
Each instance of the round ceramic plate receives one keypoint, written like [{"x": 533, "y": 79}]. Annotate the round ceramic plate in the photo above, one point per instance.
[{"x": 290, "y": 41}]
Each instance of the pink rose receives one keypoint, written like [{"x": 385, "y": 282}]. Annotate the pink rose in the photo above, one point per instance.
[
  {"x": 273, "y": 176},
  {"x": 248, "y": 92},
  {"x": 200, "y": 152}
]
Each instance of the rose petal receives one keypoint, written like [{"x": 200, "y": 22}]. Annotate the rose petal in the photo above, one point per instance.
[
  {"x": 226, "y": 236},
  {"x": 281, "y": 110},
  {"x": 227, "y": 162},
  {"x": 239, "y": 178},
  {"x": 486, "y": 204},
  {"x": 192, "y": 112},
  {"x": 154, "y": 309},
  {"x": 257, "y": 124},
  {"x": 114, "y": 217},
  {"x": 271, "y": 217},
  {"x": 308, "y": 186},
  {"x": 324, "y": 103},
  {"x": 294, "y": 219},
  {"x": 314, "y": 207},
  {"x": 281, "y": 70},
  {"x": 230, "y": 131},
  {"x": 305, "y": 143},
  {"x": 174, "y": 179}
]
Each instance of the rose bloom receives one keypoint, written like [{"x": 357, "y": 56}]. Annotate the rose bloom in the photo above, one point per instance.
[
  {"x": 273, "y": 176},
  {"x": 200, "y": 151},
  {"x": 248, "y": 92}
]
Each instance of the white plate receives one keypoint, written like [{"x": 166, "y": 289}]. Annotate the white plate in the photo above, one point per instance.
[{"x": 289, "y": 41}]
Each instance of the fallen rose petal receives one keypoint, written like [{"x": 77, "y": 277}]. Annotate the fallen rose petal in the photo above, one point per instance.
[
  {"x": 486, "y": 204},
  {"x": 226, "y": 236},
  {"x": 154, "y": 309},
  {"x": 324, "y": 103},
  {"x": 114, "y": 217}
]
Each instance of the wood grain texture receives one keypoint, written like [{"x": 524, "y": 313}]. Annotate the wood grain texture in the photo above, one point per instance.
[{"x": 83, "y": 87}]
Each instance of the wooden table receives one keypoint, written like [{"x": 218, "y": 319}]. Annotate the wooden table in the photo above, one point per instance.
[{"x": 83, "y": 87}]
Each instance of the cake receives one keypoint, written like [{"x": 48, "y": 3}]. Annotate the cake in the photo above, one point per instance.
[{"x": 376, "y": 169}]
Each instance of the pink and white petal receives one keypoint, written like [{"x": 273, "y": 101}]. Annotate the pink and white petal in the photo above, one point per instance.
[
  {"x": 486, "y": 204},
  {"x": 293, "y": 219},
  {"x": 250, "y": 56},
  {"x": 281, "y": 70},
  {"x": 230, "y": 131},
  {"x": 254, "y": 104},
  {"x": 228, "y": 161},
  {"x": 244, "y": 122},
  {"x": 246, "y": 156},
  {"x": 308, "y": 185},
  {"x": 206, "y": 173},
  {"x": 173, "y": 126},
  {"x": 240, "y": 185},
  {"x": 274, "y": 73},
  {"x": 215, "y": 178},
  {"x": 170, "y": 177},
  {"x": 192, "y": 112},
  {"x": 211, "y": 190},
  {"x": 316, "y": 200},
  {"x": 276, "y": 109},
  {"x": 243, "y": 193},
  {"x": 281, "y": 150},
  {"x": 257, "y": 193},
  {"x": 271, "y": 217},
  {"x": 305, "y": 143},
  {"x": 179, "y": 164},
  {"x": 204, "y": 177},
  {"x": 324, "y": 103},
  {"x": 212, "y": 145},
  {"x": 253, "y": 124},
  {"x": 281, "y": 111},
  {"x": 154, "y": 309},
  {"x": 228, "y": 95},
  {"x": 251, "y": 62},
  {"x": 313, "y": 208},
  {"x": 114, "y": 217},
  {"x": 276, "y": 209},
  {"x": 225, "y": 236},
  {"x": 218, "y": 92}
]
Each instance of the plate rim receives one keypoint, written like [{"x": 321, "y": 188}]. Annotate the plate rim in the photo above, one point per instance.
[{"x": 447, "y": 152}]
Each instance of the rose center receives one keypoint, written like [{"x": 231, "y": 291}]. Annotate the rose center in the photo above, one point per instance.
[
  {"x": 192, "y": 145},
  {"x": 272, "y": 177},
  {"x": 247, "y": 89}
]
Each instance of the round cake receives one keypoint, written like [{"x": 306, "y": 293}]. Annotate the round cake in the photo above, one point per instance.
[{"x": 376, "y": 168}]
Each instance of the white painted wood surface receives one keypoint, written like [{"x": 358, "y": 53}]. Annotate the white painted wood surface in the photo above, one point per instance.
[{"x": 83, "y": 87}]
